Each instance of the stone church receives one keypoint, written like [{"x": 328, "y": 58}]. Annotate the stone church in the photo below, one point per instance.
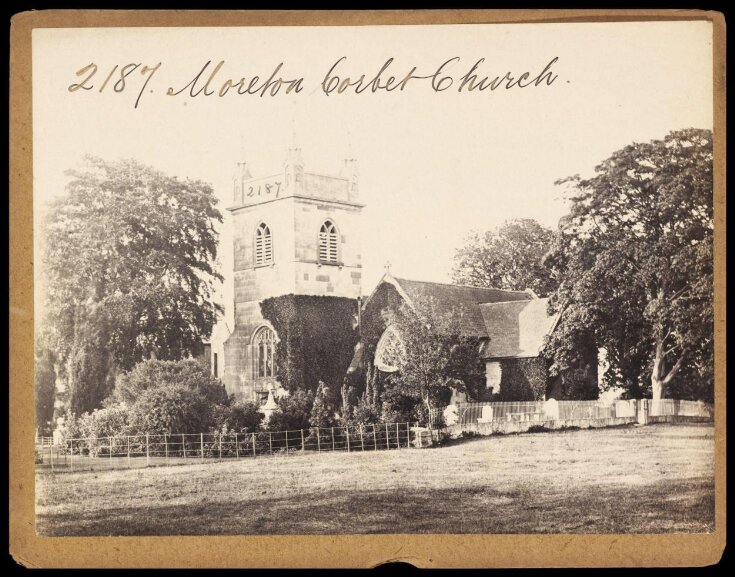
[
  {"x": 298, "y": 233},
  {"x": 295, "y": 232}
]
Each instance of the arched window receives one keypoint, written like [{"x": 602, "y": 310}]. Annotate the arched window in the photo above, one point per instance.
[
  {"x": 328, "y": 242},
  {"x": 263, "y": 245},
  {"x": 264, "y": 345},
  {"x": 390, "y": 351}
]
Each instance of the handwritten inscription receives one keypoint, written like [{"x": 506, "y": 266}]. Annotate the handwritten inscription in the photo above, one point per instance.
[
  {"x": 263, "y": 188},
  {"x": 212, "y": 80},
  {"x": 123, "y": 73}
]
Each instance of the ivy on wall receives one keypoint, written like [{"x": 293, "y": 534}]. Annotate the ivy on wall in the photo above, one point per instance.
[
  {"x": 317, "y": 340},
  {"x": 523, "y": 379}
]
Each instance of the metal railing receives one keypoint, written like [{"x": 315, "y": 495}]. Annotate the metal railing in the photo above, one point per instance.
[{"x": 112, "y": 452}]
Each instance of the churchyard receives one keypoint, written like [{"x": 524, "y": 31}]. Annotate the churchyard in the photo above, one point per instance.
[{"x": 630, "y": 479}]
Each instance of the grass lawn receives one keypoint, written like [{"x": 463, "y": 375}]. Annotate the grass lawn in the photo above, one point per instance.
[{"x": 653, "y": 479}]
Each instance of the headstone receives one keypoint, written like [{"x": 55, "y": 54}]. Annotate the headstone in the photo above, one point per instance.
[
  {"x": 487, "y": 414},
  {"x": 551, "y": 410},
  {"x": 451, "y": 415}
]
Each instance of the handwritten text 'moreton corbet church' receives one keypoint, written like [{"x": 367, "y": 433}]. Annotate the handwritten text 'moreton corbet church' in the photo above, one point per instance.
[{"x": 213, "y": 79}]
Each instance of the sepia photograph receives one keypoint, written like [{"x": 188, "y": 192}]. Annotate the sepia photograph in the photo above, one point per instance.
[{"x": 450, "y": 279}]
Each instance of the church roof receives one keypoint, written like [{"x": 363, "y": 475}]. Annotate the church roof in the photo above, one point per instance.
[
  {"x": 516, "y": 329},
  {"x": 450, "y": 298}
]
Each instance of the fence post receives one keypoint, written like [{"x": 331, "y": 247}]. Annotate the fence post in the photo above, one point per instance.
[
  {"x": 220, "y": 446},
  {"x": 50, "y": 454},
  {"x": 375, "y": 439},
  {"x": 201, "y": 444},
  {"x": 347, "y": 428},
  {"x": 270, "y": 442},
  {"x": 147, "y": 451},
  {"x": 237, "y": 448},
  {"x": 254, "y": 454},
  {"x": 332, "y": 438},
  {"x": 398, "y": 437},
  {"x": 302, "y": 440},
  {"x": 362, "y": 440},
  {"x": 165, "y": 446},
  {"x": 287, "y": 443},
  {"x": 71, "y": 456},
  {"x": 318, "y": 441},
  {"x": 128, "y": 440},
  {"x": 387, "y": 438},
  {"x": 110, "y": 440}
]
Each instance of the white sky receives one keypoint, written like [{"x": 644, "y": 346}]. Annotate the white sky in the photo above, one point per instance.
[{"x": 432, "y": 165}]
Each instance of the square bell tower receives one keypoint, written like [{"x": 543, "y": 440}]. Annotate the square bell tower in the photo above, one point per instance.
[{"x": 295, "y": 232}]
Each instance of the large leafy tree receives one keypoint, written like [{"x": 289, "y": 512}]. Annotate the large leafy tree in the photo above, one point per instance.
[
  {"x": 432, "y": 353},
  {"x": 635, "y": 258},
  {"x": 509, "y": 257},
  {"x": 128, "y": 272},
  {"x": 45, "y": 389}
]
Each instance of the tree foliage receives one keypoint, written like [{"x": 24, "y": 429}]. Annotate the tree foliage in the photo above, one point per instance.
[
  {"x": 293, "y": 413},
  {"x": 239, "y": 417},
  {"x": 322, "y": 410},
  {"x": 433, "y": 350},
  {"x": 127, "y": 268},
  {"x": 190, "y": 373},
  {"x": 635, "y": 259},
  {"x": 171, "y": 408},
  {"x": 510, "y": 257},
  {"x": 45, "y": 390}
]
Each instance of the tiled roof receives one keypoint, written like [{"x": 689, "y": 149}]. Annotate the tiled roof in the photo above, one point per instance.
[
  {"x": 451, "y": 299},
  {"x": 516, "y": 329}
]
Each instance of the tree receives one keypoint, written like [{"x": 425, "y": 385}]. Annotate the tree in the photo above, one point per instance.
[
  {"x": 322, "y": 413},
  {"x": 368, "y": 407},
  {"x": 635, "y": 261},
  {"x": 45, "y": 390},
  {"x": 509, "y": 257},
  {"x": 431, "y": 340},
  {"x": 127, "y": 266}
]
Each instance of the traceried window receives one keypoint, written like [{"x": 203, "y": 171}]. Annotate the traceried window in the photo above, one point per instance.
[
  {"x": 389, "y": 351},
  {"x": 263, "y": 245},
  {"x": 328, "y": 247},
  {"x": 264, "y": 345}
]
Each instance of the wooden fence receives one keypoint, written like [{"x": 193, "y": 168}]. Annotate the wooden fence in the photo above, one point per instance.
[{"x": 543, "y": 412}]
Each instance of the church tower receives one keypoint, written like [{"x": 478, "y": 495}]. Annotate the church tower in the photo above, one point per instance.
[{"x": 295, "y": 232}]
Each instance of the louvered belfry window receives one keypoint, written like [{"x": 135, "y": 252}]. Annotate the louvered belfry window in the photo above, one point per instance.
[
  {"x": 263, "y": 245},
  {"x": 328, "y": 242}
]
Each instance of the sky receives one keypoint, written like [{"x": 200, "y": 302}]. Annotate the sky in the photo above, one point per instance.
[{"x": 434, "y": 166}]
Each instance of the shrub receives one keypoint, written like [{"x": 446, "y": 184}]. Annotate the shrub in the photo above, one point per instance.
[
  {"x": 294, "y": 412},
  {"x": 111, "y": 421},
  {"x": 172, "y": 408},
  {"x": 322, "y": 412},
  {"x": 239, "y": 417},
  {"x": 192, "y": 374}
]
